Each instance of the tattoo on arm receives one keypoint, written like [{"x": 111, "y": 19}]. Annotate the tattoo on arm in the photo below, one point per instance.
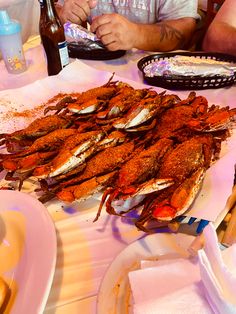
[{"x": 168, "y": 32}]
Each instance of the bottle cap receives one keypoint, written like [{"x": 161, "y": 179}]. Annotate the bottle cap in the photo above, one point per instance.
[{"x": 8, "y": 26}]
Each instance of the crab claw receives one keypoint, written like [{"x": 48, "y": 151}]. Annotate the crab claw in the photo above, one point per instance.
[
  {"x": 84, "y": 190},
  {"x": 42, "y": 171},
  {"x": 27, "y": 163},
  {"x": 40, "y": 127},
  {"x": 181, "y": 199},
  {"x": 62, "y": 104},
  {"x": 214, "y": 120},
  {"x": 89, "y": 106},
  {"x": 164, "y": 211},
  {"x": 72, "y": 154},
  {"x": 112, "y": 139},
  {"x": 153, "y": 185},
  {"x": 140, "y": 113}
]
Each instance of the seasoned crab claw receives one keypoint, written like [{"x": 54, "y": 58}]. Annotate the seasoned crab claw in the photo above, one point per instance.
[
  {"x": 48, "y": 142},
  {"x": 215, "y": 119},
  {"x": 73, "y": 152},
  {"x": 61, "y": 104},
  {"x": 146, "y": 109},
  {"x": 153, "y": 185},
  {"x": 89, "y": 106},
  {"x": 122, "y": 102},
  {"x": 112, "y": 139},
  {"x": 186, "y": 164},
  {"x": 52, "y": 140},
  {"x": 84, "y": 190},
  {"x": 39, "y": 127},
  {"x": 139, "y": 113},
  {"x": 93, "y": 99},
  {"x": 180, "y": 200},
  {"x": 28, "y": 162}
]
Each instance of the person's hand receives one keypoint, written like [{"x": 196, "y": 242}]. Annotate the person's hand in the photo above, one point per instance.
[
  {"x": 76, "y": 11},
  {"x": 115, "y": 31}
]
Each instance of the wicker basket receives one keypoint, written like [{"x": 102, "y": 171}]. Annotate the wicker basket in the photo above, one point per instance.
[{"x": 190, "y": 82}]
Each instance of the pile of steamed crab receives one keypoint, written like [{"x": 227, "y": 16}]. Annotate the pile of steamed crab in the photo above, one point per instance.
[{"x": 123, "y": 142}]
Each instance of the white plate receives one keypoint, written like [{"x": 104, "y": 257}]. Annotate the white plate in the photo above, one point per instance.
[
  {"x": 114, "y": 294},
  {"x": 28, "y": 247}
]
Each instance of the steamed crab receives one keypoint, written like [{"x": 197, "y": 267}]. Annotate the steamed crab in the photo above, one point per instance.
[
  {"x": 90, "y": 98},
  {"x": 141, "y": 169},
  {"x": 103, "y": 163},
  {"x": 145, "y": 110},
  {"x": 186, "y": 164},
  {"x": 39, "y": 127},
  {"x": 168, "y": 180}
]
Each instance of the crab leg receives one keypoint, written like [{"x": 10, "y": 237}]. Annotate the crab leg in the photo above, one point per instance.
[
  {"x": 145, "y": 110},
  {"x": 122, "y": 102},
  {"x": 105, "y": 200}
]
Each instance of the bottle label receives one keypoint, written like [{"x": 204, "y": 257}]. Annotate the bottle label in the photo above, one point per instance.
[{"x": 64, "y": 55}]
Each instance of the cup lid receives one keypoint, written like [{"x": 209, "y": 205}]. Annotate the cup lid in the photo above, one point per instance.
[{"x": 7, "y": 25}]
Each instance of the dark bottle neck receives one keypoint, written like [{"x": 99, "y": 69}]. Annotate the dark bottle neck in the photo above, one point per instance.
[{"x": 49, "y": 6}]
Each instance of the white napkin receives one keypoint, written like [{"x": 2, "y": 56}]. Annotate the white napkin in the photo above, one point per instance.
[
  {"x": 218, "y": 273},
  {"x": 206, "y": 284},
  {"x": 168, "y": 287}
]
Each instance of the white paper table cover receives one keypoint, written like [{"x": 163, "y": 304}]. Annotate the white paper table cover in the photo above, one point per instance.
[
  {"x": 78, "y": 275},
  {"x": 79, "y": 77}
]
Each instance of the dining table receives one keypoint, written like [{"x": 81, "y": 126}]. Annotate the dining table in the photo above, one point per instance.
[{"x": 85, "y": 248}]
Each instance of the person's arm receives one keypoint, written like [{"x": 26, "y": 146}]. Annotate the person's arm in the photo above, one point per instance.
[
  {"x": 221, "y": 34},
  {"x": 116, "y": 32}
]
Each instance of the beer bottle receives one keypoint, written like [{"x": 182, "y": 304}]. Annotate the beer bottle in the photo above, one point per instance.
[{"x": 53, "y": 38}]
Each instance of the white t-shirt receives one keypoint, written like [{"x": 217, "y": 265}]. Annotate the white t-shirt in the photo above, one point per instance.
[{"x": 148, "y": 11}]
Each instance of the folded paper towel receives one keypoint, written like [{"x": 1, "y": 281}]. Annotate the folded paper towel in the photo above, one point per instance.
[
  {"x": 168, "y": 287},
  {"x": 205, "y": 284},
  {"x": 218, "y": 273}
]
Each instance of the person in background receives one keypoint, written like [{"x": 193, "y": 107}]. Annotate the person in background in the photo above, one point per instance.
[
  {"x": 221, "y": 34},
  {"x": 155, "y": 25}
]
